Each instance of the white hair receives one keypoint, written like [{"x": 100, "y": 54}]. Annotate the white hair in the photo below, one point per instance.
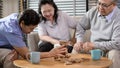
[{"x": 114, "y": 1}]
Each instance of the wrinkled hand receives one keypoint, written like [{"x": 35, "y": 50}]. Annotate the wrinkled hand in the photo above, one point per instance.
[
  {"x": 59, "y": 51},
  {"x": 13, "y": 55},
  {"x": 88, "y": 46},
  {"x": 78, "y": 46}
]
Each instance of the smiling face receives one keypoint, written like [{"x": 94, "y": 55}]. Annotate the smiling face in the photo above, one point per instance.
[
  {"x": 47, "y": 11},
  {"x": 27, "y": 28},
  {"x": 105, "y": 6}
]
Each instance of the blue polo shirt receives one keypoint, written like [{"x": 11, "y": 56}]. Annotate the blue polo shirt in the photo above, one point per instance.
[{"x": 10, "y": 32}]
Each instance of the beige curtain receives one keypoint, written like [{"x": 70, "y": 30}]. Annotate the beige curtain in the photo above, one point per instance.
[{"x": 1, "y": 3}]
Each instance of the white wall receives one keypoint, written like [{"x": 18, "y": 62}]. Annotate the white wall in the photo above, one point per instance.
[{"x": 10, "y": 6}]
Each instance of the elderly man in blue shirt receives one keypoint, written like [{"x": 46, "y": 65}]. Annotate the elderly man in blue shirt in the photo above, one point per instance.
[{"x": 12, "y": 29}]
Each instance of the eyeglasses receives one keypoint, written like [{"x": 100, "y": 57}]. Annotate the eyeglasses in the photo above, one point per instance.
[{"x": 104, "y": 5}]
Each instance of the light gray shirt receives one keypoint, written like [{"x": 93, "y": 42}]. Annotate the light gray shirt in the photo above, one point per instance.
[
  {"x": 105, "y": 34},
  {"x": 59, "y": 30}
]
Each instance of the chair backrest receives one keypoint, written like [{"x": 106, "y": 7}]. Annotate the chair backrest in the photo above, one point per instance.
[{"x": 32, "y": 41}]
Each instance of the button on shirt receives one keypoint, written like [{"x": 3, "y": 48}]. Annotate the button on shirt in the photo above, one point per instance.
[{"x": 10, "y": 32}]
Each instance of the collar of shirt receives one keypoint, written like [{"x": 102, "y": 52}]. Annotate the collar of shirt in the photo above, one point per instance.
[{"x": 51, "y": 24}]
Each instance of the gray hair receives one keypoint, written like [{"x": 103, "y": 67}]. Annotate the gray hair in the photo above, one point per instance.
[{"x": 114, "y": 1}]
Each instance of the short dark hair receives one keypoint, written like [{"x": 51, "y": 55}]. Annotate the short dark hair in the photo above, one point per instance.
[
  {"x": 52, "y": 3},
  {"x": 30, "y": 17}
]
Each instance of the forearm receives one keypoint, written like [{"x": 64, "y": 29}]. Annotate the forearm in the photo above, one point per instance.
[
  {"x": 45, "y": 55},
  {"x": 54, "y": 52},
  {"x": 79, "y": 33},
  {"x": 108, "y": 45},
  {"x": 23, "y": 51},
  {"x": 113, "y": 42},
  {"x": 49, "y": 39}
]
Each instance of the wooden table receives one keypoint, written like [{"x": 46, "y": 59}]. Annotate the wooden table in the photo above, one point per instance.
[{"x": 51, "y": 63}]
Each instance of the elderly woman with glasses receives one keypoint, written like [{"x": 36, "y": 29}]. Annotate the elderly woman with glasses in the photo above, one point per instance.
[{"x": 104, "y": 24}]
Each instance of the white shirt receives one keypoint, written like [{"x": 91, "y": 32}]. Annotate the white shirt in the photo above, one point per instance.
[{"x": 59, "y": 30}]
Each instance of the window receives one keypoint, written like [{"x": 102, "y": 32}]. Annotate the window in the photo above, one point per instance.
[
  {"x": 33, "y": 4},
  {"x": 72, "y": 7},
  {"x": 92, "y": 3}
]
